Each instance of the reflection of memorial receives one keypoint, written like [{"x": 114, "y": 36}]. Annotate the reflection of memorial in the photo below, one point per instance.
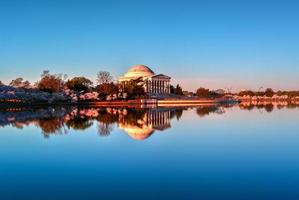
[{"x": 146, "y": 124}]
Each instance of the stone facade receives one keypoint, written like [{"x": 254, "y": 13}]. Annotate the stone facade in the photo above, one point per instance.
[{"x": 153, "y": 84}]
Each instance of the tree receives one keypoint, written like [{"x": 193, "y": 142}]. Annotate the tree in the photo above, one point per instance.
[
  {"x": 26, "y": 84},
  {"x": 202, "y": 92},
  {"x": 1, "y": 84},
  {"x": 79, "y": 84},
  {"x": 20, "y": 83},
  {"x": 172, "y": 89},
  {"x": 106, "y": 89},
  {"x": 104, "y": 77},
  {"x": 269, "y": 92},
  {"x": 176, "y": 90},
  {"x": 247, "y": 93},
  {"x": 179, "y": 90},
  {"x": 206, "y": 93},
  {"x": 134, "y": 88},
  {"x": 17, "y": 82},
  {"x": 50, "y": 82}
]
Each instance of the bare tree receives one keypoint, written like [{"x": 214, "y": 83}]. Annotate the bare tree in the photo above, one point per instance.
[
  {"x": 104, "y": 77},
  {"x": 104, "y": 129}
]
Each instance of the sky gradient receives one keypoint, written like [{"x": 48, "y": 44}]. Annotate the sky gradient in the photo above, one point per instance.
[{"x": 238, "y": 44}]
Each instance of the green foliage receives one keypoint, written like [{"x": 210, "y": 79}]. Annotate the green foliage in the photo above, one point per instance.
[
  {"x": 176, "y": 90},
  {"x": 79, "y": 84},
  {"x": 206, "y": 93},
  {"x": 134, "y": 89}
]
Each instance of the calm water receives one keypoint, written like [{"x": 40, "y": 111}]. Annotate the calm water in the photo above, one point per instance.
[{"x": 207, "y": 152}]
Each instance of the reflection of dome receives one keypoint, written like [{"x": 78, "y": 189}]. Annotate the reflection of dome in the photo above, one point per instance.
[
  {"x": 136, "y": 132},
  {"x": 139, "y": 71}
]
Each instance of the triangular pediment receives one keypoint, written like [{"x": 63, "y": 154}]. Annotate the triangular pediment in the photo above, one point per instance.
[{"x": 161, "y": 76}]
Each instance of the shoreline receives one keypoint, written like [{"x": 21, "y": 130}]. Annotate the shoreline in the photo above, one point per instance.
[
  {"x": 128, "y": 103},
  {"x": 144, "y": 103}
]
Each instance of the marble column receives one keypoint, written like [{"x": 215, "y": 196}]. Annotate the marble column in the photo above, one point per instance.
[{"x": 159, "y": 86}]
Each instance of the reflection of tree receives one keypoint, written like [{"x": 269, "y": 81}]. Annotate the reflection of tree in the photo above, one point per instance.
[
  {"x": 176, "y": 113},
  {"x": 106, "y": 117},
  {"x": 133, "y": 116},
  {"x": 104, "y": 129},
  {"x": 269, "y": 107},
  {"x": 280, "y": 106},
  {"x": 246, "y": 107},
  {"x": 50, "y": 125},
  {"x": 260, "y": 106},
  {"x": 79, "y": 123},
  {"x": 291, "y": 106},
  {"x": 206, "y": 110}
]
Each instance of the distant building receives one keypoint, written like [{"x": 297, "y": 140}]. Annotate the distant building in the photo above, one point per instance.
[
  {"x": 220, "y": 91},
  {"x": 153, "y": 83}
]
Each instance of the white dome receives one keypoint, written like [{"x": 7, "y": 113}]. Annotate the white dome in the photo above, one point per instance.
[
  {"x": 137, "y": 133},
  {"x": 139, "y": 71}
]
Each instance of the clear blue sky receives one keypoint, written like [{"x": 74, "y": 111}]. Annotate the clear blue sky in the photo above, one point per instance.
[{"x": 211, "y": 43}]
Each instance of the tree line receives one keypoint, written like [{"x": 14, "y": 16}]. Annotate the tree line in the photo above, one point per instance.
[
  {"x": 269, "y": 92},
  {"x": 106, "y": 86}
]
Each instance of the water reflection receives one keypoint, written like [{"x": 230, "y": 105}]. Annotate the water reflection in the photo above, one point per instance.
[
  {"x": 267, "y": 106},
  {"x": 138, "y": 123},
  {"x": 203, "y": 111}
]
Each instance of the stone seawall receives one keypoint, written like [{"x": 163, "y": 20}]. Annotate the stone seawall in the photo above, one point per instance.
[{"x": 125, "y": 103}]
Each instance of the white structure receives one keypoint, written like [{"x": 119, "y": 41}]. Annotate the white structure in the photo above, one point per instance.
[{"x": 153, "y": 84}]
